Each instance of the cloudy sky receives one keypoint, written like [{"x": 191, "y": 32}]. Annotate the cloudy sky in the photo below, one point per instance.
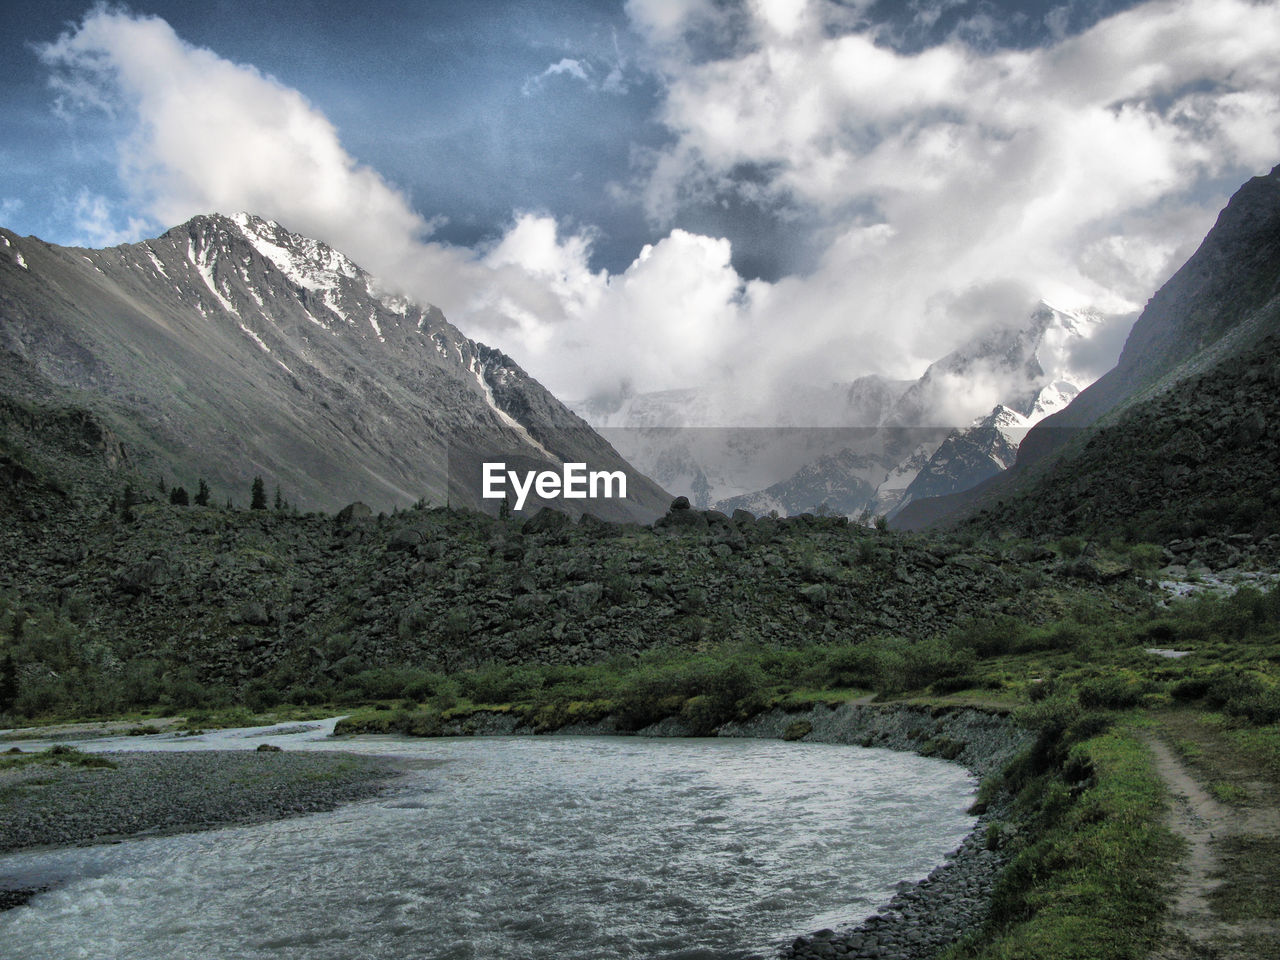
[{"x": 654, "y": 194}]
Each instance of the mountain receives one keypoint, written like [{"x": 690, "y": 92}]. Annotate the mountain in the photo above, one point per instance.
[
  {"x": 833, "y": 484},
  {"x": 230, "y": 347},
  {"x": 988, "y": 447},
  {"x": 872, "y": 445},
  {"x": 715, "y": 444},
  {"x": 1177, "y": 439},
  {"x": 1028, "y": 365}
]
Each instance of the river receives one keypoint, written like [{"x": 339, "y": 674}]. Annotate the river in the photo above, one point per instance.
[{"x": 573, "y": 848}]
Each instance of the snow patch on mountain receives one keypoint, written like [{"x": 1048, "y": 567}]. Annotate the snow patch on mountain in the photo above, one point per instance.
[
  {"x": 304, "y": 262},
  {"x": 707, "y": 443},
  {"x": 256, "y": 339},
  {"x": 478, "y": 370},
  {"x": 204, "y": 267}
]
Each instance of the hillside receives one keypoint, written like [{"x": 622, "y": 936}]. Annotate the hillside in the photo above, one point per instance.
[
  {"x": 1198, "y": 361},
  {"x": 229, "y": 348}
]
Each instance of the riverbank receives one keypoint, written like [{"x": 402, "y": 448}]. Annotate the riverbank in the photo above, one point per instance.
[
  {"x": 53, "y": 803},
  {"x": 927, "y": 915},
  {"x": 1071, "y": 855}
]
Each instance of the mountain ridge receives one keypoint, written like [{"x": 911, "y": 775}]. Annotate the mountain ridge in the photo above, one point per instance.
[
  {"x": 1210, "y": 314},
  {"x": 236, "y": 348}
]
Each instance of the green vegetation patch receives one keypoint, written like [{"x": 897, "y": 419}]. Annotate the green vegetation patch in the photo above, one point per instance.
[
  {"x": 1250, "y": 878},
  {"x": 57, "y": 756},
  {"x": 1091, "y": 855}
]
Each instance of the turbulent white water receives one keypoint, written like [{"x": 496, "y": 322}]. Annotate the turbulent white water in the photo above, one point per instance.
[{"x": 517, "y": 847}]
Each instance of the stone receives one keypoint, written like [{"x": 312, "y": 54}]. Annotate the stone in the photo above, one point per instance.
[
  {"x": 353, "y": 512},
  {"x": 546, "y": 520},
  {"x": 409, "y": 538}
]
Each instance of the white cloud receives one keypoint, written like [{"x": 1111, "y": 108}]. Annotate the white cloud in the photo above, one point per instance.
[
  {"x": 1083, "y": 172},
  {"x": 565, "y": 66},
  {"x": 662, "y": 323},
  {"x": 1060, "y": 168},
  {"x": 96, "y": 222},
  {"x": 208, "y": 135}
]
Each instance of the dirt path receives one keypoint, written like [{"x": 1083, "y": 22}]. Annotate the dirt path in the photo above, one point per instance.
[{"x": 1217, "y": 910}]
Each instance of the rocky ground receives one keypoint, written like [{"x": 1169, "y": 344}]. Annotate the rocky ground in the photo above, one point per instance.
[
  {"x": 923, "y": 917},
  {"x": 236, "y": 594},
  {"x": 149, "y": 793}
]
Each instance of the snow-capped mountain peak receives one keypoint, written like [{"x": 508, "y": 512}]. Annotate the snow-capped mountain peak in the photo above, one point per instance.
[
  {"x": 308, "y": 263},
  {"x": 271, "y": 352}
]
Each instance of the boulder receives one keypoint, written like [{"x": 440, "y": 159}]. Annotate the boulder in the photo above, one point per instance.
[
  {"x": 353, "y": 512},
  {"x": 407, "y": 538},
  {"x": 546, "y": 520}
]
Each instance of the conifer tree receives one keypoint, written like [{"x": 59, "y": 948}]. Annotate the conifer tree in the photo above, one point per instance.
[
  {"x": 8, "y": 683},
  {"x": 259, "y": 496},
  {"x": 127, "y": 502},
  {"x": 202, "y": 493}
]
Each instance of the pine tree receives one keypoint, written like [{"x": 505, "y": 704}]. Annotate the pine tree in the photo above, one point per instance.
[
  {"x": 127, "y": 502},
  {"x": 178, "y": 497},
  {"x": 279, "y": 502},
  {"x": 259, "y": 497},
  {"x": 8, "y": 683},
  {"x": 202, "y": 493}
]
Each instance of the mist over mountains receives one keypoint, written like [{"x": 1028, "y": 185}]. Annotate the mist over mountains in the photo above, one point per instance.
[
  {"x": 1180, "y": 438},
  {"x": 230, "y": 348},
  {"x": 869, "y": 446}
]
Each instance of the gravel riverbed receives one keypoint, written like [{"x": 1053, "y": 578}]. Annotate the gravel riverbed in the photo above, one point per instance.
[{"x": 148, "y": 794}]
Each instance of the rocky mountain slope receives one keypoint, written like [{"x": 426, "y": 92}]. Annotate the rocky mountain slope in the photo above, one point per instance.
[
  {"x": 230, "y": 347},
  {"x": 990, "y": 446},
  {"x": 1181, "y": 428}
]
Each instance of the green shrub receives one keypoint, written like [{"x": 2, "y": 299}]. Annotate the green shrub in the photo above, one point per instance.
[
  {"x": 142, "y": 683},
  {"x": 1115, "y": 692},
  {"x": 1146, "y": 557},
  {"x": 260, "y": 695},
  {"x": 990, "y": 636},
  {"x": 1071, "y": 547},
  {"x": 962, "y": 681},
  {"x": 1231, "y": 687},
  {"x": 1190, "y": 689},
  {"x": 500, "y": 683}
]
